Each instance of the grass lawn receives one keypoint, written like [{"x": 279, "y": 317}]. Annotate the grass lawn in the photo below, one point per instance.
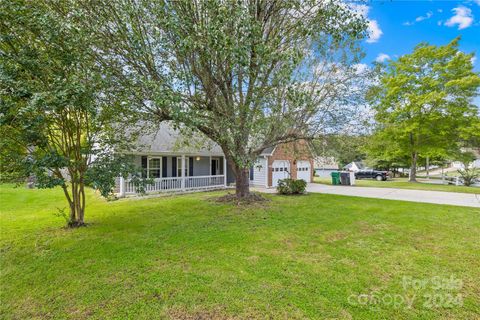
[
  {"x": 187, "y": 257},
  {"x": 402, "y": 183}
]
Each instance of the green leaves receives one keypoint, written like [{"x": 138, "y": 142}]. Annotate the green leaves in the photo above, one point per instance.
[
  {"x": 54, "y": 113},
  {"x": 424, "y": 101},
  {"x": 106, "y": 168},
  {"x": 240, "y": 72}
]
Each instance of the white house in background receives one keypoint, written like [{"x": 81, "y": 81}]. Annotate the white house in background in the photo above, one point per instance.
[
  {"x": 474, "y": 164},
  {"x": 354, "y": 166},
  {"x": 201, "y": 164},
  {"x": 325, "y": 163},
  {"x": 324, "y": 166}
]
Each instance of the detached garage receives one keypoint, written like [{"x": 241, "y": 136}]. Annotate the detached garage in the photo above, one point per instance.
[
  {"x": 304, "y": 170},
  {"x": 290, "y": 160}
]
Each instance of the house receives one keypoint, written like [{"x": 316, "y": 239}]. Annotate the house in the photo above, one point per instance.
[
  {"x": 324, "y": 166},
  {"x": 354, "y": 166},
  {"x": 474, "y": 164},
  {"x": 179, "y": 162},
  {"x": 288, "y": 160}
]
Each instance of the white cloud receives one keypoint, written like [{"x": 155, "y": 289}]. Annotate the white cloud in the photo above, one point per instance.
[
  {"x": 474, "y": 59},
  {"x": 440, "y": 10},
  {"x": 463, "y": 18},
  {"x": 382, "y": 57},
  {"x": 360, "y": 68},
  {"x": 428, "y": 15},
  {"x": 373, "y": 29},
  {"x": 477, "y": 2}
]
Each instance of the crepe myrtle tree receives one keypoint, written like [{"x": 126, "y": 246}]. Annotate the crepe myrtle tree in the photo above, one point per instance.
[
  {"x": 248, "y": 74},
  {"x": 53, "y": 119}
]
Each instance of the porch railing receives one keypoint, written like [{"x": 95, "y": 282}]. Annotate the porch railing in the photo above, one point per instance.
[{"x": 175, "y": 184}]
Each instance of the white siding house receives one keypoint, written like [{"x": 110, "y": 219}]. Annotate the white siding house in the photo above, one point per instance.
[
  {"x": 175, "y": 163},
  {"x": 324, "y": 166},
  {"x": 474, "y": 164},
  {"x": 258, "y": 172}
]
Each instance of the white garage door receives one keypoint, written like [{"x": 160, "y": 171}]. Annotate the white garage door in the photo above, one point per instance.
[
  {"x": 280, "y": 170},
  {"x": 303, "y": 170}
]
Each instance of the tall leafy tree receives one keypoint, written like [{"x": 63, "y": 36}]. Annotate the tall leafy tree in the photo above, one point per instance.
[
  {"x": 248, "y": 74},
  {"x": 53, "y": 117},
  {"x": 424, "y": 103}
]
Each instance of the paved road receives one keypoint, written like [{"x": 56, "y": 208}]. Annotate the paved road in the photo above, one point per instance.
[{"x": 437, "y": 197}]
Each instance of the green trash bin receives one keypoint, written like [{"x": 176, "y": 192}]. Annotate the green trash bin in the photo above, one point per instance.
[{"x": 335, "y": 177}]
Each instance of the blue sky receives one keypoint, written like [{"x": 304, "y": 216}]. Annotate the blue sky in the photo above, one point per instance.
[{"x": 397, "y": 26}]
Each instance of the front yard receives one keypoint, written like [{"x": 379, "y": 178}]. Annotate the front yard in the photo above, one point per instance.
[
  {"x": 402, "y": 183},
  {"x": 187, "y": 257}
]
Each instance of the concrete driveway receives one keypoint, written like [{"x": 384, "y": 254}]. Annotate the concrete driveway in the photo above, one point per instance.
[{"x": 437, "y": 197}]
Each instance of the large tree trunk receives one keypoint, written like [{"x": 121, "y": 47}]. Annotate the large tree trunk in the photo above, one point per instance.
[
  {"x": 242, "y": 183},
  {"x": 413, "y": 168}
]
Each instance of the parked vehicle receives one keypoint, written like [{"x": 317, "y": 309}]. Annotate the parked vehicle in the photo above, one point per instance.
[{"x": 372, "y": 174}]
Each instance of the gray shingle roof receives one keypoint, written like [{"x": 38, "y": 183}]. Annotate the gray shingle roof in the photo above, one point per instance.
[
  {"x": 168, "y": 140},
  {"x": 267, "y": 151}
]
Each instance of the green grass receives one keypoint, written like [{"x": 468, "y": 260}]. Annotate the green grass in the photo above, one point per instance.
[
  {"x": 439, "y": 175},
  {"x": 402, "y": 183},
  {"x": 187, "y": 257}
]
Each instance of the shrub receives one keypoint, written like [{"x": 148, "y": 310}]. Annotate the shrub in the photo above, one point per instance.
[
  {"x": 290, "y": 186},
  {"x": 469, "y": 175}
]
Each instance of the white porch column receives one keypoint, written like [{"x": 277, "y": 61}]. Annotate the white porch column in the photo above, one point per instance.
[
  {"x": 123, "y": 187},
  {"x": 183, "y": 172},
  {"x": 224, "y": 171},
  {"x": 266, "y": 171}
]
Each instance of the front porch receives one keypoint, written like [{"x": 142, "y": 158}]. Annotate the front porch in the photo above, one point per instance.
[{"x": 178, "y": 173}]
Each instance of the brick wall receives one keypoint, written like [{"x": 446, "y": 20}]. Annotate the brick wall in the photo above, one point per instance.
[{"x": 292, "y": 152}]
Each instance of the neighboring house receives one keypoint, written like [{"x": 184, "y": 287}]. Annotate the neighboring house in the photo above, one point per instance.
[
  {"x": 325, "y": 163},
  {"x": 200, "y": 164},
  {"x": 324, "y": 166},
  {"x": 474, "y": 164},
  {"x": 354, "y": 166}
]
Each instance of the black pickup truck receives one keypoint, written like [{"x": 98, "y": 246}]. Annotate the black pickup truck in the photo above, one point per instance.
[{"x": 372, "y": 174}]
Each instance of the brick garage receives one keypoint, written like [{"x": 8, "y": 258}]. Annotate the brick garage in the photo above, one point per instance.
[{"x": 294, "y": 153}]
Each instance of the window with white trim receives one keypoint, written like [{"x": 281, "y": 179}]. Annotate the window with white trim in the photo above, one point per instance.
[
  {"x": 154, "y": 167},
  {"x": 179, "y": 166}
]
